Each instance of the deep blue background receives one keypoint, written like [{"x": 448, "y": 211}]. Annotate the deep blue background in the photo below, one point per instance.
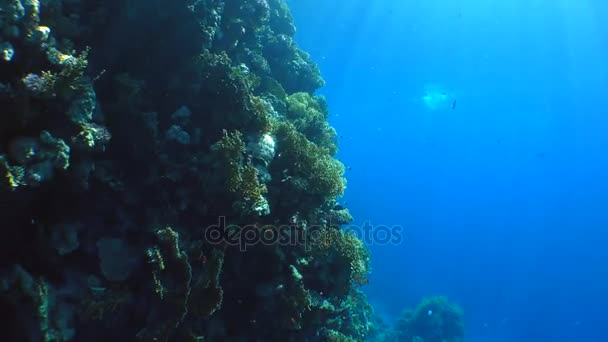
[{"x": 505, "y": 198}]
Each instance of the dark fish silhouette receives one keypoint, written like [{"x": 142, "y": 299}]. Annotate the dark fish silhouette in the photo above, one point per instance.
[{"x": 453, "y": 104}]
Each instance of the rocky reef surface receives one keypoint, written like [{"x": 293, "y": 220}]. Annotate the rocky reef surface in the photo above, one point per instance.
[
  {"x": 167, "y": 173},
  {"x": 435, "y": 319}
]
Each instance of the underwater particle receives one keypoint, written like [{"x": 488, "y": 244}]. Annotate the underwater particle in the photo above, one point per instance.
[
  {"x": 430, "y": 312},
  {"x": 7, "y": 51}
]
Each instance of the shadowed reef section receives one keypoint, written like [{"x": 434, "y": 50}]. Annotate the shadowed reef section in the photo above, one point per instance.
[{"x": 168, "y": 174}]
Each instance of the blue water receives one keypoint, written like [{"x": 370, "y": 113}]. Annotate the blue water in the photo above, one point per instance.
[{"x": 505, "y": 197}]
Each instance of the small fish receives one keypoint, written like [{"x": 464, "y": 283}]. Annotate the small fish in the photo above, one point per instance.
[
  {"x": 350, "y": 168},
  {"x": 453, "y": 104}
]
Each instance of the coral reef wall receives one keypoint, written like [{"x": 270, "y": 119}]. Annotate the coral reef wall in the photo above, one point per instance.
[{"x": 167, "y": 173}]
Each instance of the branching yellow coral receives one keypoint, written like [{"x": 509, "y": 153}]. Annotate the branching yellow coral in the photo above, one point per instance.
[
  {"x": 309, "y": 115},
  {"x": 311, "y": 164},
  {"x": 242, "y": 175},
  {"x": 232, "y": 148},
  {"x": 259, "y": 114},
  {"x": 70, "y": 78},
  {"x": 12, "y": 176},
  {"x": 336, "y": 336},
  {"x": 179, "y": 273},
  {"x": 251, "y": 189},
  {"x": 155, "y": 258},
  {"x": 351, "y": 248}
]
